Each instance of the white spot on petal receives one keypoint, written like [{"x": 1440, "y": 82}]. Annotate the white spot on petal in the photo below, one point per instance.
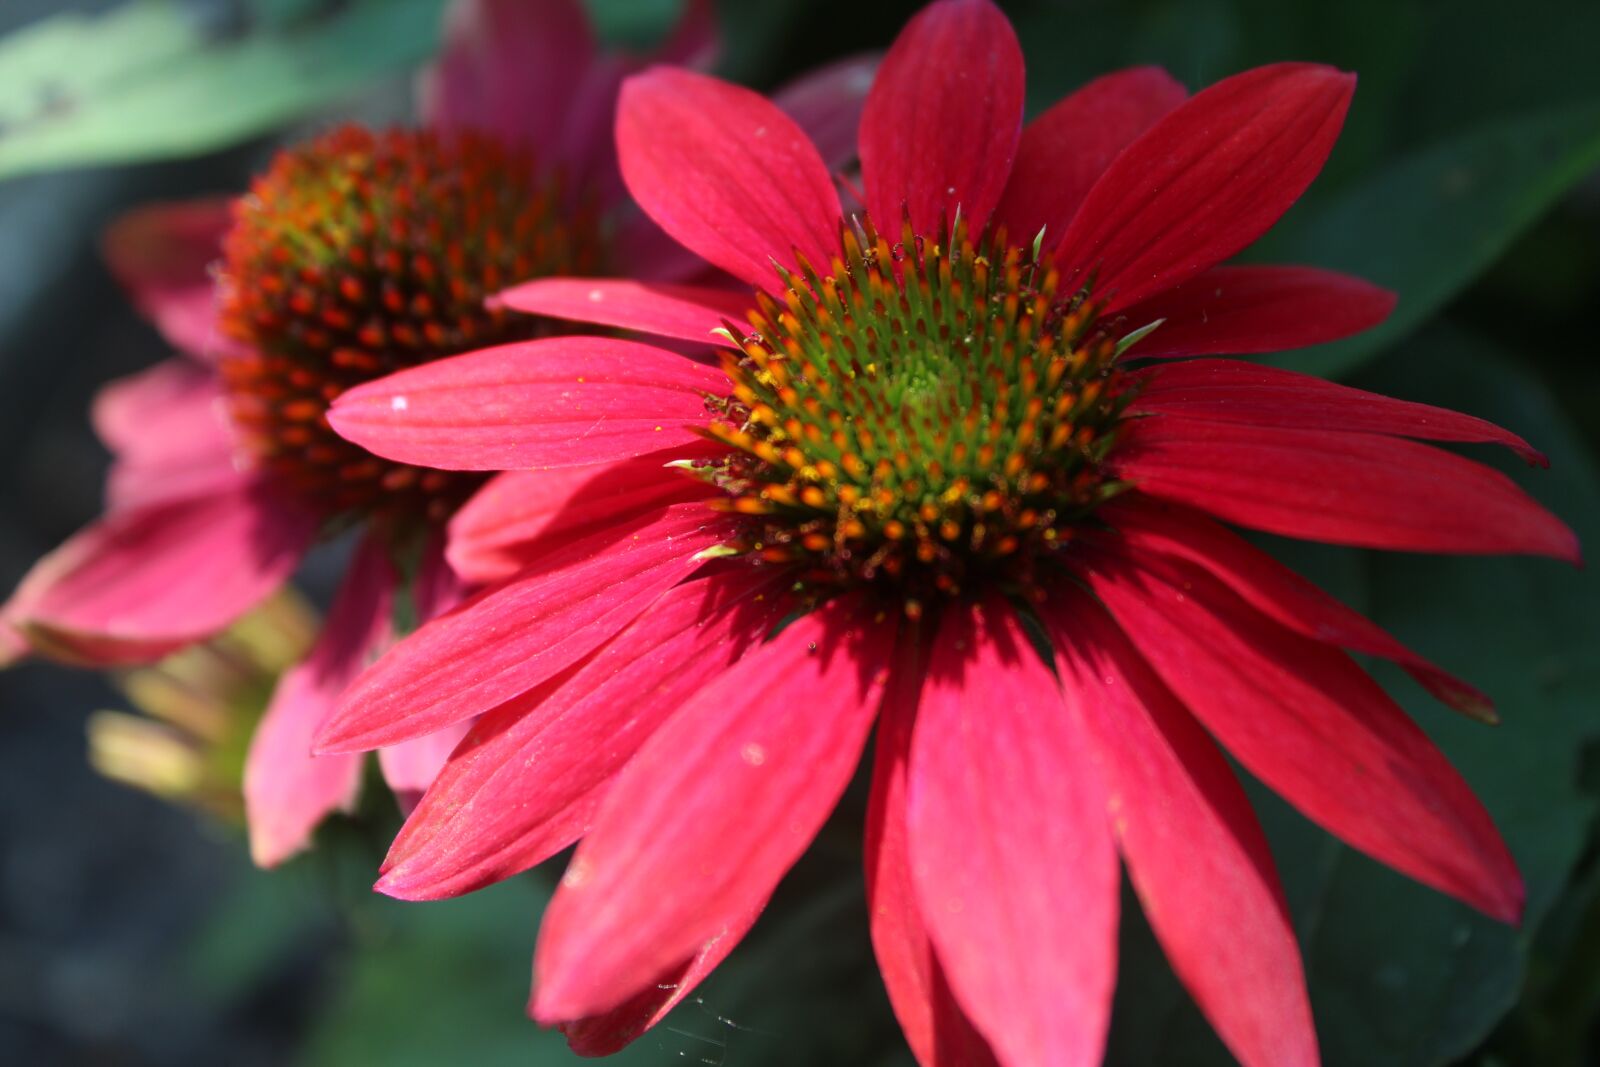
[
  {"x": 753, "y": 754},
  {"x": 399, "y": 403}
]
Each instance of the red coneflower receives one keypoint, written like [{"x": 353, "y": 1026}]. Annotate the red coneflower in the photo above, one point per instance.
[
  {"x": 927, "y": 489},
  {"x": 355, "y": 255}
]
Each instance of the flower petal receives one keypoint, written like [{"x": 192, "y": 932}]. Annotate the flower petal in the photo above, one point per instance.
[
  {"x": 717, "y": 805},
  {"x": 1242, "y": 310},
  {"x": 560, "y": 402},
  {"x": 1277, "y": 592},
  {"x": 1196, "y": 855},
  {"x": 726, "y": 173},
  {"x": 1065, "y": 150},
  {"x": 168, "y": 429},
  {"x": 614, "y": 1030},
  {"x": 826, "y": 103},
  {"x": 526, "y": 784},
  {"x": 521, "y": 516},
  {"x": 162, "y": 254},
  {"x": 1310, "y": 724},
  {"x": 510, "y": 68},
  {"x": 145, "y": 581},
  {"x": 1343, "y": 488},
  {"x": 1231, "y": 390},
  {"x": 287, "y": 790},
  {"x": 1010, "y": 846},
  {"x": 938, "y": 1031},
  {"x": 1205, "y": 181},
  {"x": 943, "y": 117},
  {"x": 688, "y": 313},
  {"x": 510, "y": 638}
]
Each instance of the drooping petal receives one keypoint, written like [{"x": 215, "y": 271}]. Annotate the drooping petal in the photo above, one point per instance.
[
  {"x": 614, "y": 1030},
  {"x": 1010, "y": 846},
  {"x": 510, "y": 68},
  {"x": 1195, "y": 853},
  {"x": 521, "y": 516},
  {"x": 688, "y": 313},
  {"x": 1205, "y": 181},
  {"x": 510, "y": 638},
  {"x": 1065, "y": 150},
  {"x": 527, "y": 783},
  {"x": 1231, "y": 390},
  {"x": 826, "y": 103},
  {"x": 411, "y": 766},
  {"x": 169, "y": 432},
  {"x": 942, "y": 120},
  {"x": 145, "y": 581},
  {"x": 726, "y": 173},
  {"x": 1277, "y": 592},
  {"x": 717, "y": 805},
  {"x": 287, "y": 790},
  {"x": 162, "y": 254},
  {"x": 559, "y": 402},
  {"x": 1309, "y": 723},
  {"x": 1343, "y": 488},
  {"x": 1243, "y": 310},
  {"x": 938, "y": 1031}
]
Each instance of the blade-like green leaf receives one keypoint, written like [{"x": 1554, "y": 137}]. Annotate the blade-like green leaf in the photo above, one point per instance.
[
  {"x": 1429, "y": 224},
  {"x": 152, "y": 80}
]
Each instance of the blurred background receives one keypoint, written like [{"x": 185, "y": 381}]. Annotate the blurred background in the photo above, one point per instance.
[{"x": 133, "y": 931}]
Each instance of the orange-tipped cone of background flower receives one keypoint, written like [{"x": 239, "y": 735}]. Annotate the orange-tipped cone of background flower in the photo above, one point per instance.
[{"x": 356, "y": 254}]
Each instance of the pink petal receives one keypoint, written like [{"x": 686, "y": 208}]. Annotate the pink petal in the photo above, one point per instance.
[
  {"x": 1277, "y": 592},
  {"x": 938, "y": 1031},
  {"x": 1309, "y": 723},
  {"x": 1064, "y": 151},
  {"x": 410, "y": 767},
  {"x": 688, "y": 313},
  {"x": 726, "y": 173},
  {"x": 287, "y": 790},
  {"x": 560, "y": 402},
  {"x": 1241, "y": 310},
  {"x": 1205, "y": 181},
  {"x": 826, "y": 103},
  {"x": 169, "y": 431},
  {"x": 510, "y": 68},
  {"x": 943, "y": 117},
  {"x": 1011, "y": 852},
  {"x": 145, "y": 581},
  {"x": 1230, "y": 390},
  {"x": 1195, "y": 853},
  {"x": 509, "y": 638},
  {"x": 163, "y": 254},
  {"x": 526, "y": 784},
  {"x": 718, "y": 804},
  {"x": 612, "y": 1031},
  {"x": 521, "y": 516},
  {"x": 1343, "y": 488}
]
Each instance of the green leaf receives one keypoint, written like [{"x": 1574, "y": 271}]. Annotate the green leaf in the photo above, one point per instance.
[
  {"x": 1401, "y": 976},
  {"x": 1429, "y": 224},
  {"x": 151, "y": 80}
]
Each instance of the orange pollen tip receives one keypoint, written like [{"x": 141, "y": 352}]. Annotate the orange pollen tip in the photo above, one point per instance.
[{"x": 361, "y": 253}]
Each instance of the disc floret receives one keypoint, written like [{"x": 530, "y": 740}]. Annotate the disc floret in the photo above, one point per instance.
[
  {"x": 923, "y": 414},
  {"x": 362, "y": 253}
]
